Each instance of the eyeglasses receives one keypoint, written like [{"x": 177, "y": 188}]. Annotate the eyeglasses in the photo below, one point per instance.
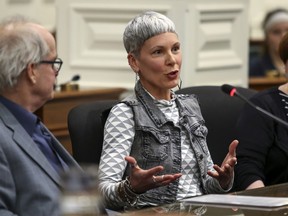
[{"x": 56, "y": 64}]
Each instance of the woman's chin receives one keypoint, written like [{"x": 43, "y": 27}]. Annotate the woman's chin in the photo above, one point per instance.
[{"x": 174, "y": 84}]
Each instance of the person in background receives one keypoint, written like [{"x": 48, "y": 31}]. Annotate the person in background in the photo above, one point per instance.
[
  {"x": 154, "y": 149},
  {"x": 31, "y": 159},
  {"x": 263, "y": 153},
  {"x": 268, "y": 63}
]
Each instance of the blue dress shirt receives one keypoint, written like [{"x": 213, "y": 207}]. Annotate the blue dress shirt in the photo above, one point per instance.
[{"x": 32, "y": 124}]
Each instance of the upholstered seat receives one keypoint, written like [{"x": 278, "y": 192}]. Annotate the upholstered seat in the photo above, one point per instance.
[
  {"x": 220, "y": 112},
  {"x": 86, "y": 126}
]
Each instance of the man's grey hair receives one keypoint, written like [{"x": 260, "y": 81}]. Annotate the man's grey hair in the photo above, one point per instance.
[
  {"x": 20, "y": 44},
  {"x": 143, "y": 27}
]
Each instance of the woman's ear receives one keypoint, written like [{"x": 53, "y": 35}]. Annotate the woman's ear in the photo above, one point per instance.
[{"x": 133, "y": 62}]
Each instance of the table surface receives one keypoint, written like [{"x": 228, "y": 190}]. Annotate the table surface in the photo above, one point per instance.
[{"x": 183, "y": 208}]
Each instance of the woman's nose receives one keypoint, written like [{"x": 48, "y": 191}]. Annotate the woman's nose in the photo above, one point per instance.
[{"x": 170, "y": 58}]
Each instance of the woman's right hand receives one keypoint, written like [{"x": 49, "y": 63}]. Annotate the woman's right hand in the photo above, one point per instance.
[{"x": 144, "y": 180}]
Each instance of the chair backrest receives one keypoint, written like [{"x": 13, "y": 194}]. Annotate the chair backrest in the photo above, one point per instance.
[
  {"x": 85, "y": 125},
  {"x": 220, "y": 112}
]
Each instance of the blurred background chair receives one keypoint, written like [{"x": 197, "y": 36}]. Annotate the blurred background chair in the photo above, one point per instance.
[
  {"x": 220, "y": 112},
  {"x": 85, "y": 127}
]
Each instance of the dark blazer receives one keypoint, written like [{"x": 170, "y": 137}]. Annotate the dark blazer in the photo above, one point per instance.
[{"x": 29, "y": 185}]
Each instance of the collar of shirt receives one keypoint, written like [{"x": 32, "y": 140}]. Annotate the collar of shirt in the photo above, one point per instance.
[
  {"x": 163, "y": 101},
  {"x": 26, "y": 119}
]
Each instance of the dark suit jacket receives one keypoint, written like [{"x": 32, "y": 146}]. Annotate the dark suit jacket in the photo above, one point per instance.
[{"x": 29, "y": 186}]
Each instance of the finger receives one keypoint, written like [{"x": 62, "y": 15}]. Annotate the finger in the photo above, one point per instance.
[
  {"x": 213, "y": 174},
  {"x": 130, "y": 159},
  {"x": 217, "y": 169},
  {"x": 156, "y": 179},
  {"x": 227, "y": 167},
  {"x": 165, "y": 179},
  {"x": 220, "y": 171},
  {"x": 168, "y": 177},
  {"x": 217, "y": 174},
  {"x": 168, "y": 180},
  {"x": 232, "y": 147},
  {"x": 154, "y": 171},
  {"x": 132, "y": 162},
  {"x": 232, "y": 162},
  {"x": 231, "y": 152}
]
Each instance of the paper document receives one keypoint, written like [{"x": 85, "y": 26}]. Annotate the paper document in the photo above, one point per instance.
[{"x": 248, "y": 202}]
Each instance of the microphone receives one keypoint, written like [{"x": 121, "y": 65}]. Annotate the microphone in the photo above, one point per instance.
[
  {"x": 70, "y": 85},
  {"x": 75, "y": 78},
  {"x": 232, "y": 91}
]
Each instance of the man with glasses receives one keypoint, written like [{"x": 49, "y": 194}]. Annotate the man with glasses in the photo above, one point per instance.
[
  {"x": 31, "y": 159},
  {"x": 56, "y": 64}
]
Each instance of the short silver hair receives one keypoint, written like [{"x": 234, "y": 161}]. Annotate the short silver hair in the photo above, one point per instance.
[
  {"x": 20, "y": 44},
  {"x": 143, "y": 27}
]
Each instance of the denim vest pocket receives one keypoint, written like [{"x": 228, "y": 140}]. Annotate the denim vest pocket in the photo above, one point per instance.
[
  {"x": 200, "y": 131},
  {"x": 156, "y": 144}
]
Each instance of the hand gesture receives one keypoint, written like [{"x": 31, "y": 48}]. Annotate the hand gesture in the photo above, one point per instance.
[
  {"x": 224, "y": 174},
  {"x": 143, "y": 180}
]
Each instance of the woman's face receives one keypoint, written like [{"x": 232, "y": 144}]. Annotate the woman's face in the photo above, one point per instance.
[
  {"x": 274, "y": 35},
  {"x": 159, "y": 64}
]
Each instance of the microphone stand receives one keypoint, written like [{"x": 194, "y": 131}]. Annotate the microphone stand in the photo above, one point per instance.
[
  {"x": 262, "y": 110},
  {"x": 230, "y": 90}
]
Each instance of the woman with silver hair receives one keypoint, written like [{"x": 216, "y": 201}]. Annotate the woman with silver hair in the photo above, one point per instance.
[{"x": 154, "y": 149}]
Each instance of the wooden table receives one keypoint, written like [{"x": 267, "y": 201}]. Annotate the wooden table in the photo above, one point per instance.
[
  {"x": 261, "y": 83},
  {"x": 54, "y": 113}
]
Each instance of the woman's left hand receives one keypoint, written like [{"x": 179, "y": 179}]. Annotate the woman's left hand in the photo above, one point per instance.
[
  {"x": 142, "y": 180},
  {"x": 224, "y": 174}
]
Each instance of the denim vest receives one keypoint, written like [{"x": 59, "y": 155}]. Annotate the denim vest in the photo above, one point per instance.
[{"x": 157, "y": 141}]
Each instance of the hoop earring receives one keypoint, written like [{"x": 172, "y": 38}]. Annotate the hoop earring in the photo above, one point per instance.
[{"x": 180, "y": 83}]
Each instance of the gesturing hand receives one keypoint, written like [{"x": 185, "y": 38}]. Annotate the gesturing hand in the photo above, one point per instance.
[
  {"x": 224, "y": 174},
  {"x": 143, "y": 180}
]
